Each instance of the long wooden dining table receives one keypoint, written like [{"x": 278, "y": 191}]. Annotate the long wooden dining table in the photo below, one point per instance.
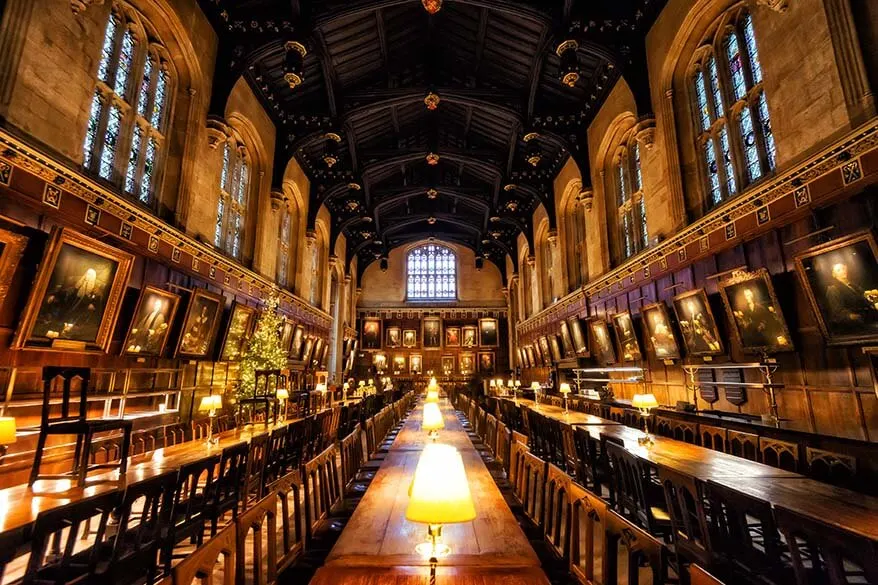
[{"x": 377, "y": 546}]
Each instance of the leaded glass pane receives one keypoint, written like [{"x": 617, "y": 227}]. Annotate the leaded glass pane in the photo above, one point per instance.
[
  {"x": 431, "y": 273},
  {"x": 718, "y": 106},
  {"x": 224, "y": 181},
  {"x": 712, "y": 172},
  {"x": 111, "y": 139},
  {"x": 765, "y": 122},
  {"x": 91, "y": 133},
  {"x": 126, "y": 56},
  {"x": 627, "y": 236},
  {"x": 159, "y": 102},
  {"x": 236, "y": 234},
  {"x": 638, "y": 176},
  {"x": 736, "y": 65},
  {"x": 701, "y": 96},
  {"x": 218, "y": 229},
  {"x": 107, "y": 50},
  {"x": 751, "y": 150},
  {"x": 623, "y": 188},
  {"x": 241, "y": 196},
  {"x": 133, "y": 158},
  {"x": 148, "y": 170},
  {"x": 731, "y": 186},
  {"x": 145, "y": 83},
  {"x": 752, "y": 52},
  {"x": 644, "y": 233}
]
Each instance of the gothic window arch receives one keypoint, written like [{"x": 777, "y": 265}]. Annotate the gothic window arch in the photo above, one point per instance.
[
  {"x": 576, "y": 246},
  {"x": 545, "y": 268},
  {"x": 630, "y": 203},
  {"x": 734, "y": 140},
  {"x": 234, "y": 190},
  {"x": 431, "y": 273},
  {"x": 283, "y": 250},
  {"x": 125, "y": 141}
]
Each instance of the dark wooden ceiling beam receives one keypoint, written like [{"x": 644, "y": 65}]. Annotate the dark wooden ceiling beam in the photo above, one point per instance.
[
  {"x": 480, "y": 40},
  {"x": 382, "y": 44},
  {"x": 510, "y": 7},
  {"x": 536, "y": 71},
  {"x": 329, "y": 74}
]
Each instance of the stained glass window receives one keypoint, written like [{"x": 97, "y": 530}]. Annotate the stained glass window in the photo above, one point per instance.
[
  {"x": 712, "y": 172},
  {"x": 220, "y": 216},
  {"x": 633, "y": 234},
  {"x": 718, "y": 109},
  {"x": 728, "y": 164},
  {"x": 283, "y": 253},
  {"x": 431, "y": 273},
  {"x": 232, "y": 199},
  {"x": 751, "y": 152},
  {"x": 125, "y": 136},
  {"x": 752, "y": 53}
]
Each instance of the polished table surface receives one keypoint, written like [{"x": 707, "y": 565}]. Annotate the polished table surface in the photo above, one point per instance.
[
  {"x": 571, "y": 417},
  {"x": 377, "y": 544}
]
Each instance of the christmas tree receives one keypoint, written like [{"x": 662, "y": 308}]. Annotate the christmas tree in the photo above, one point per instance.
[{"x": 264, "y": 350}]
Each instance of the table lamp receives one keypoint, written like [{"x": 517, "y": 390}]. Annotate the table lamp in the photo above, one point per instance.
[
  {"x": 7, "y": 434},
  {"x": 283, "y": 395},
  {"x": 210, "y": 404},
  {"x": 492, "y": 383},
  {"x": 564, "y": 389},
  {"x": 432, "y": 395},
  {"x": 433, "y": 420},
  {"x": 535, "y": 386},
  {"x": 344, "y": 390},
  {"x": 644, "y": 403},
  {"x": 439, "y": 495}
]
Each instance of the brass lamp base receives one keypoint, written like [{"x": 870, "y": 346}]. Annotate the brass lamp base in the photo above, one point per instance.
[
  {"x": 433, "y": 549},
  {"x": 434, "y": 434}
]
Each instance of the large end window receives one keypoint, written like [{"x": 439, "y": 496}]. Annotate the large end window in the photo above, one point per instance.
[{"x": 432, "y": 274}]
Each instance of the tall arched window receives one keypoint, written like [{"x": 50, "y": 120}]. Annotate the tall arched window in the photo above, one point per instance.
[
  {"x": 431, "y": 274},
  {"x": 127, "y": 126},
  {"x": 734, "y": 138},
  {"x": 231, "y": 211},
  {"x": 283, "y": 250},
  {"x": 630, "y": 204},
  {"x": 576, "y": 250}
]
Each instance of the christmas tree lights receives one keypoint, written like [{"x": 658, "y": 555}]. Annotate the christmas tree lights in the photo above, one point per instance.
[{"x": 264, "y": 350}]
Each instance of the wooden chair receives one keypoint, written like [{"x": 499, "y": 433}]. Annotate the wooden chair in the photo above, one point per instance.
[
  {"x": 78, "y": 424},
  {"x": 617, "y": 414},
  {"x": 588, "y": 471},
  {"x": 714, "y": 438},
  {"x": 633, "y": 494},
  {"x": 532, "y": 483},
  {"x": 743, "y": 444},
  {"x": 351, "y": 456},
  {"x": 698, "y": 576},
  {"x": 517, "y": 452},
  {"x": 685, "y": 502},
  {"x": 645, "y": 556},
  {"x": 226, "y": 495},
  {"x": 588, "y": 535},
  {"x": 556, "y": 511},
  {"x": 501, "y": 455},
  {"x": 825, "y": 554},
  {"x": 202, "y": 564},
  {"x": 289, "y": 495},
  {"x": 490, "y": 437},
  {"x": 323, "y": 489},
  {"x": 57, "y": 555},
  {"x": 676, "y": 429},
  {"x": 191, "y": 500},
  {"x": 781, "y": 454},
  {"x": 277, "y": 456},
  {"x": 253, "y": 476},
  {"x": 257, "y": 527},
  {"x": 830, "y": 467}
]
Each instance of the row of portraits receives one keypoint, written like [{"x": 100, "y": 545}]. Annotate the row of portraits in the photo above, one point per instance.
[
  {"x": 840, "y": 280},
  {"x": 433, "y": 335},
  {"x": 482, "y": 362},
  {"x": 77, "y": 296}
]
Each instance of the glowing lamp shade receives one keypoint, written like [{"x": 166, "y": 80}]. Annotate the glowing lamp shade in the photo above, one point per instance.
[
  {"x": 564, "y": 388},
  {"x": 432, "y": 382},
  {"x": 644, "y": 402},
  {"x": 439, "y": 495},
  {"x": 320, "y": 388},
  {"x": 282, "y": 394},
  {"x": 535, "y": 386},
  {"x": 7, "y": 430},
  {"x": 371, "y": 382},
  {"x": 433, "y": 395},
  {"x": 493, "y": 383},
  {"x": 361, "y": 384},
  {"x": 212, "y": 402},
  {"x": 433, "y": 419}
]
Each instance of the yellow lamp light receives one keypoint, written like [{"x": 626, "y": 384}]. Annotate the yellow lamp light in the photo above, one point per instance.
[
  {"x": 211, "y": 403},
  {"x": 320, "y": 387},
  {"x": 644, "y": 402},
  {"x": 371, "y": 382},
  {"x": 432, "y": 382},
  {"x": 535, "y": 386},
  {"x": 439, "y": 495},
  {"x": 492, "y": 383},
  {"x": 564, "y": 388},
  {"x": 432, "y": 396},
  {"x": 282, "y": 394},
  {"x": 7, "y": 430},
  {"x": 433, "y": 420}
]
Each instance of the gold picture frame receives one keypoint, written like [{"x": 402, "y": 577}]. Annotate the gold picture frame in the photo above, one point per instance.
[
  {"x": 242, "y": 321},
  {"x": 370, "y": 337},
  {"x": 431, "y": 333},
  {"x": 470, "y": 336},
  {"x": 76, "y": 297},
  {"x": 626, "y": 337},
  {"x": 416, "y": 364},
  {"x": 489, "y": 333},
  {"x": 697, "y": 324},
  {"x": 567, "y": 340},
  {"x": 409, "y": 338},
  {"x": 755, "y": 315},
  {"x": 392, "y": 337},
  {"x": 448, "y": 364},
  {"x": 580, "y": 341},
  {"x": 467, "y": 363},
  {"x": 297, "y": 343},
  {"x": 200, "y": 324},
  {"x": 487, "y": 363},
  {"x": 604, "y": 352},
  {"x": 659, "y": 332},
  {"x": 12, "y": 247},
  {"x": 452, "y": 336},
  {"x": 151, "y": 322}
]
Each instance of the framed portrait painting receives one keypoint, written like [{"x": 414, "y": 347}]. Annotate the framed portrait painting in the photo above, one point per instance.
[
  {"x": 580, "y": 344},
  {"x": 841, "y": 281},
  {"x": 200, "y": 324},
  {"x": 409, "y": 338},
  {"x": 467, "y": 363},
  {"x": 659, "y": 333},
  {"x": 486, "y": 362},
  {"x": 756, "y": 317},
  {"x": 545, "y": 352},
  {"x": 392, "y": 337},
  {"x": 448, "y": 364},
  {"x": 286, "y": 333},
  {"x": 700, "y": 333},
  {"x": 416, "y": 363},
  {"x": 488, "y": 335},
  {"x": 11, "y": 250},
  {"x": 452, "y": 336},
  {"x": 603, "y": 345},
  {"x": 531, "y": 357},
  {"x": 76, "y": 297},
  {"x": 431, "y": 332},
  {"x": 567, "y": 340},
  {"x": 308, "y": 350},
  {"x": 318, "y": 351},
  {"x": 371, "y": 334},
  {"x": 297, "y": 343},
  {"x": 241, "y": 323},
  {"x": 555, "y": 348},
  {"x": 148, "y": 332},
  {"x": 629, "y": 346},
  {"x": 399, "y": 364},
  {"x": 470, "y": 336}
]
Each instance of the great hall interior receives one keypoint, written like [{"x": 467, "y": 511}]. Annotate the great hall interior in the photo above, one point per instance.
[{"x": 410, "y": 292}]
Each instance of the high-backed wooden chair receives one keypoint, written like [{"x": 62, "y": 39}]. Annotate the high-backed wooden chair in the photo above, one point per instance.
[
  {"x": 685, "y": 502},
  {"x": 256, "y": 543},
  {"x": 743, "y": 444},
  {"x": 715, "y": 438},
  {"x": 253, "y": 476},
  {"x": 204, "y": 564},
  {"x": 588, "y": 470},
  {"x": 226, "y": 495},
  {"x": 633, "y": 494},
  {"x": 323, "y": 489},
  {"x": 292, "y": 515},
  {"x": 777, "y": 453},
  {"x": 645, "y": 556},
  {"x": 277, "y": 457},
  {"x": 75, "y": 423},
  {"x": 556, "y": 511},
  {"x": 192, "y": 494},
  {"x": 831, "y": 467},
  {"x": 351, "y": 456},
  {"x": 698, "y": 576},
  {"x": 588, "y": 535},
  {"x": 532, "y": 483}
]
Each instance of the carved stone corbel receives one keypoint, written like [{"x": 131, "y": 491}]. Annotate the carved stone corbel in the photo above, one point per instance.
[
  {"x": 645, "y": 135},
  {"x": 217, "y": 132},
  {"x": 531, "y": 260},
  {"x": 277, "y": 200},
  {"x": 77, "y": 6},
  {"x": 776, "y": 5},
  {"x": 586, "y": 197}
]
